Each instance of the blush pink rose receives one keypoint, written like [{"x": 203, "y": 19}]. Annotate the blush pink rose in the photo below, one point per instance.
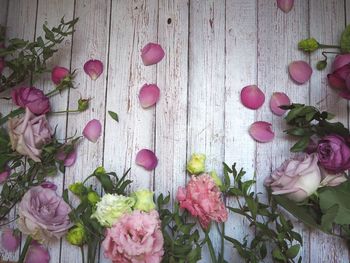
[
  {"x": 29, "y": 134},
  {"x": 135, "y": 238},
  {"x": 202, "y": 198},
  {"x": 32, "y": 98}
]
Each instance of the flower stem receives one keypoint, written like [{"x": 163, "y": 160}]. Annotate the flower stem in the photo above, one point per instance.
[
  {"x": 222, "y": 241},
  {"x": 328, "y": 46},
  {"x": 210, "y": 246},
  {"x": 82, "y": 254},
  {"x": 25, "y": 249},
  {"x": 12, "y": 114},
  {"x": 64, "y": 111}
]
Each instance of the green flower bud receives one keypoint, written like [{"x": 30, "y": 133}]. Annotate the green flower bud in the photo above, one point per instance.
[
  {"x": 76, "y": 235},
  {"x": 308, "y": 45},
  {"x": 83, "y": 104},
  {"x": 100, "y": 170},
  {"x": 93, "y": 197},
  {"x": 321, "y": 65},
  {"x": 197, "y": 164},
  {"x": 216, "y": 178},
  {"x": 143, "y": 200},
  {"x": 78, "y": 189}
]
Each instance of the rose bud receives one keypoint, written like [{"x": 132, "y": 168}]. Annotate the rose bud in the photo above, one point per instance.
[
  {"x": 300, "y": 71},
  {"x": 151, "y": 54},
  {"x": 252, "y": 97},
  {"x": 76, "y": 235},
  {"x": 78, "y": 189},
  {"x": 68, "y": 158},
  {"x": 100, "y": 170},
  {"x": 147, "y": 159},
  {"x": 331, "y": 179},
  {"x": 279, "y": 99},
  {"x": 4, "y": 174},
  {"x": 196, "y": 164},
  {"x": 37, "y": 253},
  {"x": 93, "y": 197},
  {"x": 9, "y": 239},
  {"x": 285, "y": 5},
  {"x": 31, "y": 98},
  {"x": 92, "y": 130},
  {"x": 308, "y": 45},
  {"x": 216, "y": 178},
  {"x": 297, "y": 178},
  {"x": 58, "y": 74},
  {"x": 149, "y": 95},
  {"x": 261, "y": 131},
  {"x": 93, "y": 68},
  {"x": 49, "y": 185},
  {"x": 143, "y": 200},
  {"x": 321, "y": 65},
  {"x": 83, "y": 104}
]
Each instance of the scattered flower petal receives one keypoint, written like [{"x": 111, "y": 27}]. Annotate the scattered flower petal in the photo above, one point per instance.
[
  {"x": 9, "y": 240},
  {"x": 252, "y": 97},
  {"x": 147, "y": 159},
  {"x": 58, "y": 74},
  {"x": 93, "y": 68},
  {"x": 151, "y": 54},
  {"x": 92, "y": 130},
  {"x": 285, "y": 5},
  {"x": 300, "y": 71},
  {"x": 149, "y": 95},
  {"x": 49, "y": 185},
  {"x": 261, "y": 131},
  {"x": 37, "y": 254},
  {"x": 279, "y": 99}
]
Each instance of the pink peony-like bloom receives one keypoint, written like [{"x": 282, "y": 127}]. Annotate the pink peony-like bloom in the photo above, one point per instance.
[
  {"x": 32, "y": 98},
  {"x": 135, "y": 238},
  {"x": 202, "y": 198}
]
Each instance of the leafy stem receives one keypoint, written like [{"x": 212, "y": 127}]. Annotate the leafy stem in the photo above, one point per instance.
[{"x": 210, "y": 245}]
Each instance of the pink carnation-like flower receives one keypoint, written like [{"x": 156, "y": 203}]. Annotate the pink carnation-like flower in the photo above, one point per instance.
[
  {"x": 136, "y": 238},
  {"x": 202, "y": 198}
]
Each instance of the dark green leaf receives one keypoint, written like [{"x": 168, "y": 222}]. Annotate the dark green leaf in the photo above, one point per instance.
[
  {"x": 293, "y": 251},
  {"x": 113, "y": 115},
  {"x": 300, "y": 145},
  {"x": 329, "y": 217},
  {"x": 345, "y": 40}
]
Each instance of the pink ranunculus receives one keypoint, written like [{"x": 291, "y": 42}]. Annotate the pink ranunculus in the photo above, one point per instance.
[
  {"x": 339, "y": 79},
  {"x": 32, "y": 98},
  {"x": 135, "y": 238},
  {"x": 10, "y": 240},
  {"x": 203, "y": 199},
  {"x": 29, "y": 134},
  {"x": 58, "y": 74},
  {"x": 296, "y": 178},
  {"x": 43, "y": 214},
  {"x": 37, "y": 253}
]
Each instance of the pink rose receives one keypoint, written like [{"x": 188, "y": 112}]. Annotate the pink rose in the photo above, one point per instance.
[
  {"x": 31, "y": 98},
  {"x": 29, "y": 133},
  {"x": 202, "y": 198},
  {"x": 296, "y": 178},
  {"x": 135, "y": 238}
]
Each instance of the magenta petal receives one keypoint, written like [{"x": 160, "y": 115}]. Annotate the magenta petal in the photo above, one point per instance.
[
  {"x": 70, "y": 158},
  {"x": 261, "y": 131},
  {"x": 93, "y": 68},
  {"x": 49, "y": 185},
  {"x": 285, "y": 5},
  {"x": 279, "y": 99},
  {"x": 300, "y": 71},
  {"x": 9, "y": 240},
  {"x": 340, "y": 61},
  {"x": 151, "y": 54},
  {"x": 37, "y": 254},
  {"x": 92, "y": 130},
  {"x": 147, "y": 159},
  {"x": 252, "y": 97},
  {"x": 149, "y": 95},
  {"x": 58, "y": 74}
]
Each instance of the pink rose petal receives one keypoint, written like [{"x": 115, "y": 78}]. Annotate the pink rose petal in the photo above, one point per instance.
[
  {"x": 58, "y": 74},
  {"x": 149, "y": 95},
  {"x": 93, "y": 68},
  {"x": 37, "y": 253},
  {"x": 340, "y": 61},
  {"x": 300, "y": 71},
  {"x": 279, "y": 99},
  {"x": 9, "y": 240},
  {"x": 68, "y": 159},
  {"x": 261, "y": 131},
  {"x": 147, "y": 159},
  {"x": 49, "y": 185},
  {"x": 252, "y": 97},
  {"x": 285, "y": 5},
  {"x": 92, "y": 130},
  {"x": 151, "y": 54}
]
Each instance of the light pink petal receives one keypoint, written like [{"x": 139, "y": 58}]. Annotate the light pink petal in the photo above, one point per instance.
[
  {"x": 92, "y": 130},
  {"x": 9, "y": 240},
  {"x": 149, "y": 95},
  {"x": 285, "y": 5},
  {"x": 252, "y": 97},
  {"x": 279, "y": 99},
  {"x": 300, "y": 71},
  {"x": 151, "y": 54},
  {"x": 340, "y": 61},
  {"x": 147, "y": 159},
  {"x": 49, "y": 185},
  {"x": 70, "y": 158},
  {"x": 58, "y": 74},
  {"x": 93, "y": 68},
  {"x": 261, "y": 131}
]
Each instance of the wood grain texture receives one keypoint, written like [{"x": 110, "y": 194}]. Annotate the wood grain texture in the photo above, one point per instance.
[{"x": 3, "y": 12}]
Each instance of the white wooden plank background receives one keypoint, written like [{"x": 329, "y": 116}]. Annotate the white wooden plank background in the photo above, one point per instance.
[{"x": 213, "y": 49}]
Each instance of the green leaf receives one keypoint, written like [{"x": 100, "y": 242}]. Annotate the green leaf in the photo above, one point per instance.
[
  {"x": 345, "y": 40},
  {"x": 328, "y": 218},
  {"x": 277, "y": 254},
  {"x": 113, "y": 115},
  {"x": 293, "y": 251},
  {"x": 300, "y": 145}
]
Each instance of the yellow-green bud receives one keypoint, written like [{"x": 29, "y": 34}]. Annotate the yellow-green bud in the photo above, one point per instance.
[
  {"x": 100, "y": 170},
  {"x": 93, "y": 197},
  {"x": 78, "y": 189},
  {"x": 143, "y": 200},
  {"x": 76, "y": 235},
  {"x": 83, "y": 104},
  {"x": 321, "y": 65},
  {"x": 197, "y": 164},
  {"x": 216, "y": 178},
  {"x": 308, "y": 45}
]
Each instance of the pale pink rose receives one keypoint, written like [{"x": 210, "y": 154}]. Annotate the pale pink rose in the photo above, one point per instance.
[
  {"x": 135, "y": 238},
  {"x": 296, "y": 178},
  {"x": 203, "y": 199},
  {"x": 29, "y": 134}
]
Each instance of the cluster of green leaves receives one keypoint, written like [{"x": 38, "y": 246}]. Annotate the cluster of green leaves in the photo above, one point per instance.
[
  {"x": 270, "y": 225},
  {"x": 27, "y": 59},
  {"x": 307, "y": 121},
  {"x": 181, "y": 239}
]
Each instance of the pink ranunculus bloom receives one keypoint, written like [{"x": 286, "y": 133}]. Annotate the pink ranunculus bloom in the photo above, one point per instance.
[
  {"x": 32, "y": 98},
  {"x": 203, "y": 199},
  {"x": 28, "y": 134},
  {"x": 58, "y": 74},
  {"x": 136, "y": 238},
  {"x": 43, "y": 214},
  {"x": 37, "y": 253}
]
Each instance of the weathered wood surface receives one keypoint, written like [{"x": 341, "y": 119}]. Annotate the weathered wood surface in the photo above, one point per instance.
[{"x": 213, "y": 49}]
